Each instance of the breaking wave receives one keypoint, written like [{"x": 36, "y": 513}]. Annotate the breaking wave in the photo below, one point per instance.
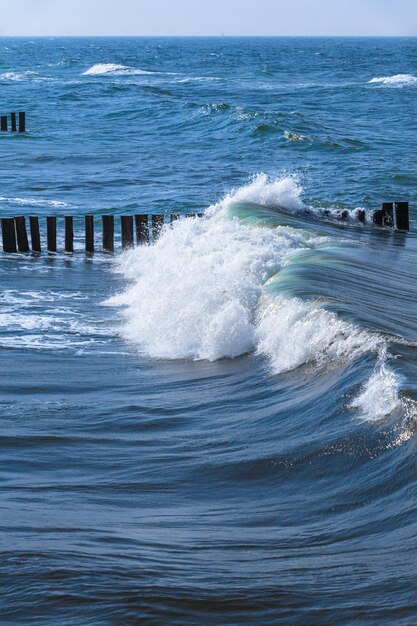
[
  {"x": 397, "y": 79},
  {"x": 202, "y": 291},
  {"x": 113, "y": 68}
]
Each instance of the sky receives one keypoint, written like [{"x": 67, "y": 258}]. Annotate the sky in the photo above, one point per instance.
[{"x": 208, "y": 17}]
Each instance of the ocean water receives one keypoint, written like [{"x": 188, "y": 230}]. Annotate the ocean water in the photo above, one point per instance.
[{"x": 219, "y": 427}]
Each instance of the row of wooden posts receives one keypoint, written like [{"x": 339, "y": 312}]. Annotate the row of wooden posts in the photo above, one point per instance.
[
  {"x": 135, "y": 228},
  {"x": 14, "y": 118},
  {"x": 15, "y": 235}
]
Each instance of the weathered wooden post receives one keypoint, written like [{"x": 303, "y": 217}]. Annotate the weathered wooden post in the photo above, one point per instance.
[
  {"x": 157, "y": 225},
  {"x": 89, "y": 233},
  {"x": 69, "y": 233},
  {"x": 8, "y": 234},
  {"x": 22, "y": 122},
  {"x": 342, "y": 215},
  {"x": 173, "y": 217},
  {"x": 51, "y": 233},
  {"x": 22, "y": 238},
  {"x": 360, "y": 215},
  {"x": 142, "y": 229},
  {"x": 108, "y": 233},
  {"x": 401, "y": 216},
  {"x": 3, "y": 123},
  {"x": 377, "y": 217},
  {"x": 34, "y": 233},
  {"x": 13, "y": 121},
  {"x": 127, "y": 231},
  {"x": 387, "y": 209}
]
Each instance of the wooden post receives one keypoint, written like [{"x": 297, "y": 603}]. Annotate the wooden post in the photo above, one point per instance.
[
  {"x": 89, "y": 233},
  {"x": 22, "y": 238},
  {"x": 51, "y": 233},
  {"x": 3, "y": 123},
  {"x": 360, "y": 215},
  {"x": 157, "y": 224},
  {"x": 173, "y": 217},
  {"x": 108, "y": 233},
  {"x": 34, "y": 233},
  {"x": 22, "y": 122},
  {"x": 127, "y": 231},
  {"x": 377, "y": 217},
  {"x": 387, "y": 209},
  {"x": 142, "y": 229},
  {"x": 9, "y": 234},
  {"x": 342, "y": 215},
  {"x": 13, "y": 119},
  {"x": 69, "y": 234},
  {"x": 401, "y": 216}
]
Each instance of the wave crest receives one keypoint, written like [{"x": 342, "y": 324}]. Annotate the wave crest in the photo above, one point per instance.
[
  {"x": 112, "y": 68},
  {"x": 201, "y": 292},
  {"x": 397, "y": 79},
  {"x": 270, "y": 192}
]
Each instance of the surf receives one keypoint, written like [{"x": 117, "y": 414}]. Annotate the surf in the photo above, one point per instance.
[{"x": 208, "y": 289}]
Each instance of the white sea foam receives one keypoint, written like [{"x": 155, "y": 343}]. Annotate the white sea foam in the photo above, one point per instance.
[
  {"x": 396, "y": 80},
  {"x": 113, "y": 68},
  {"x": 17, "y": 76},
  {"x": 272, "y": 192},
  {"x": 292, "y": 333},
  {"x": 379, "y": 396},
  {"x": 292, "y": 136},
  {"x": 33, "y": 202},
  {"x": 201, "y": 292},
  {"x": 47, "y": 320}
]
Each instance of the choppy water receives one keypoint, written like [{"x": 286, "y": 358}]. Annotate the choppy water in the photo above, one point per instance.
[{"x": 219, "y": 428}]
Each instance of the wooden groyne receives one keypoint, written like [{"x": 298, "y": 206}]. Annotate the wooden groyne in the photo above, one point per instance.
[
  {"x": 14, "y": 126},
  {"x": 22, "y": 234}
]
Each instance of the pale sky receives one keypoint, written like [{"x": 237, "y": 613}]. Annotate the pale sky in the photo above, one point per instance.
[{"x": 208, "y": 17}]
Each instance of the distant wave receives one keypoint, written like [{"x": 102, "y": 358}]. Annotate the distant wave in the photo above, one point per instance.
[
  {"x": 32, "y": 202},
  {"x": 113, "y": 68},
  {"x": 18, "y": 75},
  {"x": 292, "y": 136},
  {"x": 397, "y": 79}
]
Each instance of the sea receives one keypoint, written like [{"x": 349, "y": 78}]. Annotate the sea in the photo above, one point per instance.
[{"x": 218, "y": 427}]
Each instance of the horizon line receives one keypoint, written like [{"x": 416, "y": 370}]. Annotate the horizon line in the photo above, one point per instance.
[{"x": 221, "y": 36}]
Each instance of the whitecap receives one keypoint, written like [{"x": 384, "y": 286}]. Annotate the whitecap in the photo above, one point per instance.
[
  {"x": 101, "y": 69},
  {"x": 396, "y": 80},
  {"x": 33, "y": 202}
]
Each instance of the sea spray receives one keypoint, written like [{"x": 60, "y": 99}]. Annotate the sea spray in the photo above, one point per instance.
[{"x": 201, "y": 292}]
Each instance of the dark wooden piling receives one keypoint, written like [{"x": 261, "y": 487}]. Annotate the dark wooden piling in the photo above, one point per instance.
[
  {"x": 34, "y": 233},
  {"x": 387, "y": 209},
  {"x": 13, "y": 121},
  {"x": 3, "y": 123},
  {"x": 51, "y": 233},
  {"x": 8, "y": 231},
  {"x": 89, "y": 233},
  {"x": 21, "y": 234},
  {"x": 157, "y": 225},
  {"x": 22, "y": 122},
  {"x": 108, "y": 233},
  {"x": 360, "y": 215},
  {"x": 142, "y": 229},
  {"x": 173, "y": 217},
  {"x": 69, "y": 233},
  {"x": 342, "y": 215},
  {"x": 377, "y": 217},
  {"x": 401, "y": 216},
  {"x": 127, "y": 231}
]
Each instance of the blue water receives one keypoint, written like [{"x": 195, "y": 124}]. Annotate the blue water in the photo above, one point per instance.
[{"x": 220, "y": 427}]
